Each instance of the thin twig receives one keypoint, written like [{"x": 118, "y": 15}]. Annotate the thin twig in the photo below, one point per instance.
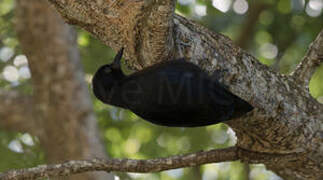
[{"x": 123, "y": 165}]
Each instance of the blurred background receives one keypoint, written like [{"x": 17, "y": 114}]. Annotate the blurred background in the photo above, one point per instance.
[{"x": 277, "y": 32}]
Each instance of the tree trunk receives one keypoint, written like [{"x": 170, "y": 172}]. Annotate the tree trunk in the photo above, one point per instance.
[{"x": 60, "y": 111}]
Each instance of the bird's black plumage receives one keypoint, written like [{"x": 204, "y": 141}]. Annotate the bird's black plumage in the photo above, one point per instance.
[{"x": 173, "y": 93}]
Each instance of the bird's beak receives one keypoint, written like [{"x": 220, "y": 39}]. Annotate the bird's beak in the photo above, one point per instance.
[{"x": 117, "y": 59}]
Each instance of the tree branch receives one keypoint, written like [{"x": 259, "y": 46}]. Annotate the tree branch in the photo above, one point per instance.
[
  {"x": 312, "y": 59},
  {"x": 123, "y": 165},
  {"x": 16, "y": 112}
]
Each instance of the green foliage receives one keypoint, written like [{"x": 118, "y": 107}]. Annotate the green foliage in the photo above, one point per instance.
[
  {"x": 16, "y": 152},
  {"x": 316, "y": 85}
]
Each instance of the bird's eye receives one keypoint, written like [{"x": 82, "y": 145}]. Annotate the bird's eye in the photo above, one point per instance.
[{"x": 107, "y": 70}]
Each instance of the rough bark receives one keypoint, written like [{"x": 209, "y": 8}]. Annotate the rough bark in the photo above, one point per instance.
[
  {"x": 15, "y": 111},
  {"x": 286, "y": 121},
  {"x": 60, "y": 108}
]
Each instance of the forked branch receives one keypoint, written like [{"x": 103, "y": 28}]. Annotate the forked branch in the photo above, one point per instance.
[{"x": 312, "y": 59}]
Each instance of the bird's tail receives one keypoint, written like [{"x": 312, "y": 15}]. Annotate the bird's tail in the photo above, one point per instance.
[{"x": 241, "y": 107}]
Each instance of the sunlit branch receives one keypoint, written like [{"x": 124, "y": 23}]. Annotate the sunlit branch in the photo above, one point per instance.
[
  {"x": 312, "y": 59},
  {"x": 123, "y": 165}
]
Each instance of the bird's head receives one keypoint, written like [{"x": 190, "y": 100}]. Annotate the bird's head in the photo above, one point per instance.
[{"x": 107, "y": 77}]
